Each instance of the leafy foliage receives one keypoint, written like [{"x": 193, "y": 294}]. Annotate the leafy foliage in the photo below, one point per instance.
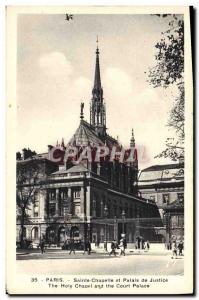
[
  {"x": 170, "y": 56},
  {"x": 28, "y": 181},
  {"x": 169, "y": 70},
  {"x": 27, "y": 153},
  {"x": 18, "y": 156}
]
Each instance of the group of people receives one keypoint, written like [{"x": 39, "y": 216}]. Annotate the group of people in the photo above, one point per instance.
[
  {"x": 142, "y": 244},
  {"x": 177, "y": 248},
  {"x": 121, "y": 246},
  {"x": 87, "y": 247},
  {"x": 72, "y": 246}
]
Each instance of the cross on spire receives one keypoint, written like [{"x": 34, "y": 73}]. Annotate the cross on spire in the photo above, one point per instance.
[{"x": 97, "y": 41}]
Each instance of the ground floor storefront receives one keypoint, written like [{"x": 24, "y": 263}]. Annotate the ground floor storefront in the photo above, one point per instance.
[{"x": 97, "y": 231}]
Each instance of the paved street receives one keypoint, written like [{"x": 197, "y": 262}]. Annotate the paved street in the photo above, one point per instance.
[{"x": 134, "y": 263}]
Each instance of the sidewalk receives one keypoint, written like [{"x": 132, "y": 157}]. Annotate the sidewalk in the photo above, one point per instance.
[
  {"x": 100, "y": 250},
  {"x": 136, "y": 251}
]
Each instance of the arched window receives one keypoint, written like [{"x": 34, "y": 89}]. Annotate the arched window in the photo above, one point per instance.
[{"x": 35, "y": 233}]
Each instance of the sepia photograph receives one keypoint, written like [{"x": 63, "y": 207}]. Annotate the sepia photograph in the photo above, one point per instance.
[{"x": 100, "y": 119}]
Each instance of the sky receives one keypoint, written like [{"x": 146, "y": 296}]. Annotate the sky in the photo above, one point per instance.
[{"x": 55, "y": 73}]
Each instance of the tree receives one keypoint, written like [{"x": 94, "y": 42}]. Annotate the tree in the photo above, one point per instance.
[
  {"x": 18, "y": 156},
  {"x": 175, "y": 146},
  {"x": 27, "y": 153},
  {"x": 28, "y": 183},
  {"x": 168, "y": 71}
]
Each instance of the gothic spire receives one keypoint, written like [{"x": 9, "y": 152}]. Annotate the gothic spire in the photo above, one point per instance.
[
  {"x": 132, "y": 142},
  {"x": 97, "y": 80},
  {"x": 62, "y": 143},
  {"x": 97, "y": 109},
  {"x": 82, "y": 111}
]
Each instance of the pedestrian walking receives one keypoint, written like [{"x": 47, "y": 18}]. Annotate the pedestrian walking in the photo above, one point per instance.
[
  {"x": 85, "y": 246},
  {"x": 138, "y": 242},
  {"x": 42, "y": 246},
  {"x": 174, "y": 250},
  {"x": 180, "y": 247},
  {"x": 113, "y": 248},
  {"x": 88, "y": 247},
  {"x": 142, "y": 243},
  {"x": 122, "y": 248},
  {"x": 147, "y": 245},
  {"x": 72, "y": 246},
  {"x": 124, "y": 243}
]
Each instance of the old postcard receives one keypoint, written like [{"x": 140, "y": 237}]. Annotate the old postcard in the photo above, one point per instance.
[{"x": 99, "y": 150}]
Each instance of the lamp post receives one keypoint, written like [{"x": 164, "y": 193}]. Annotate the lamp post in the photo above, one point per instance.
[
  {"x": 123, "y": 220},
  {"x": 105, "y": 215}
]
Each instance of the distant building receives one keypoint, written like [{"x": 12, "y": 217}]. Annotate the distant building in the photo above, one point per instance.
[
  {"x": 164, "y": 184},
  {"x": 91, "y": 200}
]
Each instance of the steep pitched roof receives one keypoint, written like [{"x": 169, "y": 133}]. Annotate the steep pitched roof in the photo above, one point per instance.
[{"x": 85, "y": 135}]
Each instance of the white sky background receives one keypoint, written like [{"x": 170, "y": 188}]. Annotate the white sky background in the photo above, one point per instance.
[{"x": 55, "y": 73}]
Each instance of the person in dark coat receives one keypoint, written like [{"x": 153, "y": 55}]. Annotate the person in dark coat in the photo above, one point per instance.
[
  {"x": 138, "y": 239},
  {"x": 72, "y": 246},
  {"x": 42, "y": 245},
  {"x": 180, "y": 247},
  {"x": 88, "y": 247},
  {"x": 113, "y": 247},
  {"x": 142, "y": 243},
  {"x": 124, "y": 243},
  {"x": 85, "y": 246}
]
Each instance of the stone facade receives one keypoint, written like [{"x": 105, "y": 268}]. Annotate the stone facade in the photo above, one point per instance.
[
  {"x": 91, "y": 200},
  {"x": 164, "y": 184}
]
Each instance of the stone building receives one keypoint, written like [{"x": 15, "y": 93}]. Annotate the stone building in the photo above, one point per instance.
[
  {"x": 164, "y": 184},
  {"x": 90, "y": 200}
]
